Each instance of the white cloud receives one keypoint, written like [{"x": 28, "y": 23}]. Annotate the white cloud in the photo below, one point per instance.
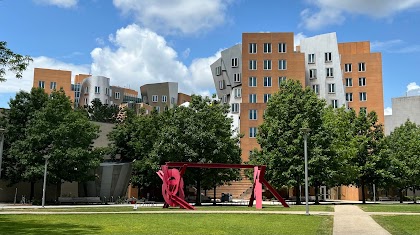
[
  {"x": 331, "y": 12},
  {"x": 142, "y": 56},
  {"x": 186, "y": 53},
  {"x": 25, "y": 83},
  {"x": 59, "y": 3},
  {"x": 388, "y": 111},
  {"x": 174, "y": 16},
  {"x": 394, "y": 46},
  {"x": 413, "y": 89},
  {"x": 136, "y": 57},
  {"x": 299, "y": 37}
]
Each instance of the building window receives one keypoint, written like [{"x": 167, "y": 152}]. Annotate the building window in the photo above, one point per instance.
[
  {"x": 218, "y": 70},
  {"x": 86, "y": 101},
  {"x": 363, "y": 109},
  {"x": 252, "y": 98},
  {"x": 86, "y": 90},
  {"x": 312, "y": 73},
  {"x": 331, "y": 88},
  {"x": 282, "y": 79},
  {"x": 117, "y": 95},
  {"x": 155, "y": 98},
  {"x": 330, "y": 72},
  {"x": 252, "y": 48},
  {"x": 362, "y": 67},
  {"x": 97, "y": 90},
  {"x": 235, "y": 108},
  {"x": 282, "y": 47},
  {"x": 238, "y": 92},
  {"x": 267, "y": 64},
  {"x": 282, "y": 64},
  {"x": 252, "y": 65},
  {"x": 41, "y": 84},
  {"x": 172, "y": 100},
  {"x": 252, "y": 81},
  {"x": 347, "y": 68},
  {"x": 315, "y": 88},
  {"x": 362, "y": 96},
  {"x": 349, "y": 97},
  {"x": 157, "y": 109},
  {"x": 362, "y": 81},
  {"x": 267, "y": 47},
  {"x": 328, "y": 56},
  {"x": 53, "y": 85},
  {"x": 236, "y": 77},
  {"x": 311, "y": 58},
  {"x": 266, "y": 97},
  {"x": 252, "y": 132},
  {"x": 225, "y": 99},
  {"x": 164, "y": 98},
  {"x": 222, "y": 84},
  {"x": 349, "y": 82},
  {"x": 234, "y": 62},
  {"x": 267, "y": 81},
  {"x": 106, "y": 101},
  {"x": 334, "y": 103},
  {"x": 252, "y": 114}
]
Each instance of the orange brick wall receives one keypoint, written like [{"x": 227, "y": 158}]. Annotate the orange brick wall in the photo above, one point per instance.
[
  {"x": 295, "y": 70},
  {"x": 354, "y": 53},
  {"x": 61, "y": 77}
]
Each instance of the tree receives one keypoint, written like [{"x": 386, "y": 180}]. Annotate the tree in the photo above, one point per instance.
[
  {"x": 281, "y": 140},
  {"x": 99, "y": 112},
  {"x": 66, "y": 136},
  {"x": 402, "y": 149},
  {"x": 11, "y": 61},
  {"x": 367, "y": 136}
]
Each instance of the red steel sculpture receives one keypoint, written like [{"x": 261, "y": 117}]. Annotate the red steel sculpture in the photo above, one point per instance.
[{"x": 173, "y": 184}]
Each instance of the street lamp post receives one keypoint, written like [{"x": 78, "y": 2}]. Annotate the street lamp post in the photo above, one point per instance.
[
  {"x": 46, "y": 157},
  {"x": 1, "y": 147},
  {"x": 305, "y": 137}
]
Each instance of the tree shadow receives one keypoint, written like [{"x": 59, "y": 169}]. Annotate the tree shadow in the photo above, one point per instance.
[{"x": 11, "y": 226}]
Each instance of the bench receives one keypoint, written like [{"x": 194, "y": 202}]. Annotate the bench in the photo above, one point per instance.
[{"x": 83, "y": 200}]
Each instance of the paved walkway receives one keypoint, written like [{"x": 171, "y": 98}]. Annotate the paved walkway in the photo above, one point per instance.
[{"x": 350, "y": 219}]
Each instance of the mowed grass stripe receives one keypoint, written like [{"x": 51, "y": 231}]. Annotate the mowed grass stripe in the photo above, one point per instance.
[{"x": 165, "y": 224}]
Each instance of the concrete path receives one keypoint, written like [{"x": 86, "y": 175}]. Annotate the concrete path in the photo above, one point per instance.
[{"x": 350, "y": 219}]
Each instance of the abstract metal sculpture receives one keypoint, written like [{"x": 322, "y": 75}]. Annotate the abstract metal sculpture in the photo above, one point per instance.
[{"x": 173, "y": 184}]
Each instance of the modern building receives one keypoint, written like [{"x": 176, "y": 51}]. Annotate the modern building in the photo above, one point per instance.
[
  {"x": 403, "y": 109},
  {"x": 95, "y": 87},
  {"x": 163, "y": 96},
  {"x": 52, "y": 79}
]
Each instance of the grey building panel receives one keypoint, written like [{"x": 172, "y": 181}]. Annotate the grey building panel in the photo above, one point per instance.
[
  {"x": 169, "y": 90},
  {"x": 403, "y": 108},
  {"x": 88, "y": 93}
]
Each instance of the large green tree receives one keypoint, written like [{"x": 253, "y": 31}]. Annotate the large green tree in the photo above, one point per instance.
[
  {"x": 281, "y": 140},
  {"x": 12, "y": 61},
  {"x": 366, "y": 142},
  {"x": 99, "y": 112},
  {"x": 402, "y": 149},
  {"x": 62, "y": 134}
]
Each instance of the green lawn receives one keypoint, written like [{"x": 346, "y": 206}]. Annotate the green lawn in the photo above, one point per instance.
[
  {"x": 201, "y": 208},
  {"x": 391, "y": 208},
  {"x": 165, "y": 224},
  {"x": 399, "y": 224}
]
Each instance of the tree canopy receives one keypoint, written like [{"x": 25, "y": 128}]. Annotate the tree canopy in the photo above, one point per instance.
[{"x": 12, "y": 61}]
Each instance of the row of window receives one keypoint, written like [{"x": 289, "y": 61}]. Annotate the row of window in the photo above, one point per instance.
[
  {"x": 267, "y": 64},
  {"x": 267, "y": 48},
  {"x": 267, "y": 82},
  {"x": 349, "y": 82},
  {"x": 53, "y": 85},
  {"x": 362, "y": 96},
  {"x": 348, "y": 67}
]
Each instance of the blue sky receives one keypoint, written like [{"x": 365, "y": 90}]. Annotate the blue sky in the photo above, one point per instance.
[{"x": 135, "y": 42}]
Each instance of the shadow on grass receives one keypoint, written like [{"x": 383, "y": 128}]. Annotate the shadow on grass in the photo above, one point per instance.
[{"x": 10, "y": 226}]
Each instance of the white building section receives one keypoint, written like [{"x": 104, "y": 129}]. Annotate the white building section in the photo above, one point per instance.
[{"x": 95, "y": 87}]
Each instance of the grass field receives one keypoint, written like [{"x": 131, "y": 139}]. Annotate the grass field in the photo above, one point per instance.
[
  {"x": 391, "y": 208},
  {"x": 399, "y": 224},
  {"x": 201, "y": 208},
  {"x": 165, "y": 224}
]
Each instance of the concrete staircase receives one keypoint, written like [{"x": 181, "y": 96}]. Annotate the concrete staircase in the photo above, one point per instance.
[{"x": 239, "y": 189}]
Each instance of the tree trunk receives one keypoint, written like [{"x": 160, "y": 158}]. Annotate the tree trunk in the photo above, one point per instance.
[
  {"x": 401, "y": 195},
  {"x": 58, "y": 190},
  {"x": 198, "y": 196},
  {"x": 316, "y": 194},
  {"x": 414, "y": 195},
  {"x": 31, "y": 196},
  {"x": 363, "y": 191},
  {"x": 297, "y": 190},
  {"x": 214, "y": 195}
]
